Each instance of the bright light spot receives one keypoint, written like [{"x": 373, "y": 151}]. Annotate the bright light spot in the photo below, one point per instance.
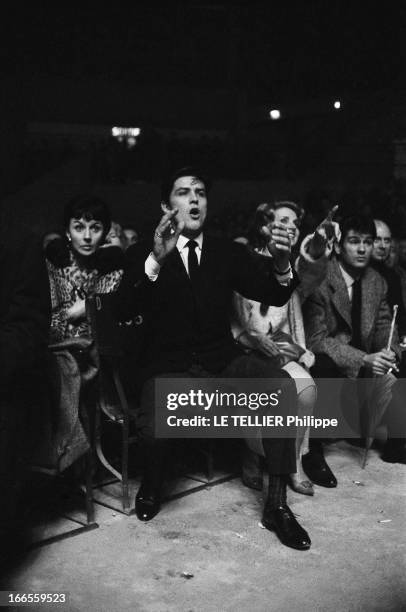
[
  {"x": 131, "y": 142},
  {"x": 275, "y": 114},
  {"x": 337, "y": 104},
  {"x": 125, "y": 131}
]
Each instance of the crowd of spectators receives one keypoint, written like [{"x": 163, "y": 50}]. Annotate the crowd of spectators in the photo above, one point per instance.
[{"x": 95, "y": 254}]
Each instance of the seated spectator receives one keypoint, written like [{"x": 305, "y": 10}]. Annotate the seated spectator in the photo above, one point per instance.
[
  {"x": 77, "y": 270},
  {"x": 116, "y": 237},
  {"x": 186, "y": 285},
  {"x": 393, "y": 263},
  {"x": 380, "y": 256},
  {"x": 131, "y": 235},
  {"x": 347, "y": 324},
  {"x": 24, "y": 325},
  {"x": 276, "y": 332},
  {"x": 49, "y": 237}
]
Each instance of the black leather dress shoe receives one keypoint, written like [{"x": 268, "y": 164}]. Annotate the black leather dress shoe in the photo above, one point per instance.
[
  {"x": 318, "y": 471},
  {"x": 283, "y": 523},
  {"x": 394, "y": 452},
  {"x": 146, "y": 505}
]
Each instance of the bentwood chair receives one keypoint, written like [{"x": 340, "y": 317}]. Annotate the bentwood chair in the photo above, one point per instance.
[{"x": 111, "y": 401}]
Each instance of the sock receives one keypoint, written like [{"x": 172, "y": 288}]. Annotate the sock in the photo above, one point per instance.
[
  {"x": 276, "y": 491},
  {"x": 316, "y": 447}
]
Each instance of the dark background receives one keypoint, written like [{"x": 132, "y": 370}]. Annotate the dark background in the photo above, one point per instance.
[{"x": 199, "y": 79}]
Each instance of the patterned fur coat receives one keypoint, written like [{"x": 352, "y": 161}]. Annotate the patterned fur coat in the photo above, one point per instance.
[{"x": 69, "y": 283}]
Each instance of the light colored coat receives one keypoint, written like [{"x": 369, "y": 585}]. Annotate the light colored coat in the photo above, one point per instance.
[
  {"x": 247, "y": 315},
  {"x": 327, "y": 318}
]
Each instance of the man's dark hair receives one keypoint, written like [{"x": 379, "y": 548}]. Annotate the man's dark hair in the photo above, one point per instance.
[
  {"x": 357, "y": 223},
  {"x": 87, "y": 207},
  {"x": 168, "y": 182}
]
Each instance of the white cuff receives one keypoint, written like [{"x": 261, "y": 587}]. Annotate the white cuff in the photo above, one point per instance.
[
  {"x": 285, "y": 278},
  {"x": 152, "y": 267}
]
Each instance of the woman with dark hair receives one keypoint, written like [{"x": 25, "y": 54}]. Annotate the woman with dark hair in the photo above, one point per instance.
[
  {"x": 277, "y": 333},
  {"x": 78, "y": 268}
]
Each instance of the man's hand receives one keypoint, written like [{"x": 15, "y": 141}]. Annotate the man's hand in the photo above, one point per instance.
[
  {"x": 278, "y": 245},
  {"x": 381, "y": 362},
  {"x": 166, "y": 235}
]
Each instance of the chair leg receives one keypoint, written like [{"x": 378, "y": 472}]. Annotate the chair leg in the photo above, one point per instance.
[
  {"x": 90, "y": 514},
  {"x": 125, "y": 492},
  {"x": 125, "y": 441},
  {"x": 210, "y": 461},
  {"x": 124, "y": 464},
  {"x": 89, "y": 487}
]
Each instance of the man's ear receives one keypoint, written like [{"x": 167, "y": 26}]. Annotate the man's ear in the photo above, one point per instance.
[
  {"x": 165, "y": 207},
  {"x": 337, "y": 248}
]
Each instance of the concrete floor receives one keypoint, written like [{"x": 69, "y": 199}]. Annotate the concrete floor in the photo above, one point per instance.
[{"x": 207, "y": 552}]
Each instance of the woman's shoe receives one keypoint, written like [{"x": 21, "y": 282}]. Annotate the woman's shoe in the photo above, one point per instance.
[
  {"x": 316, "y": 468},
  {"x": 251, "y": 473},
  {"x": 305, "y": 487},
  {"x": 253, "y": 482}
]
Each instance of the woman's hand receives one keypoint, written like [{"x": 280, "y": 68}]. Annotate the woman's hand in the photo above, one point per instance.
[
  {"x": 264, "y": 344},
  {"x": 77, "y": 311}
]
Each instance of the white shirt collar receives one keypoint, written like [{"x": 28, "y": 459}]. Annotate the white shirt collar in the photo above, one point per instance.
[
  {"x": 348, "y": 279},
  {"x": 182, "y": 242}
]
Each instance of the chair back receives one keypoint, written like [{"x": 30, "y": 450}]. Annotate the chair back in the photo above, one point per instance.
[{"x": 111, "y": 337}]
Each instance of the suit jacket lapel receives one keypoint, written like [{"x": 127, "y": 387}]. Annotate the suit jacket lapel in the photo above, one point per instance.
[
  {"x": 370, "y": 304},
  {"x": 340, "y": 297},
  {"x": 177, "y": 265},
  {"x": 207, "y": 262}
]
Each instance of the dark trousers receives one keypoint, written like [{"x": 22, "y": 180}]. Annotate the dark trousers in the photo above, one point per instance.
[
  {"x": 324, "y": 367},
  {"x": 388, "y": 393},
  {"x": 279, "y": 452}
]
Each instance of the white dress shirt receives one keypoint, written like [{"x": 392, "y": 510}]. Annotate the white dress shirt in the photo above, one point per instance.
[
  {"x": 349, "y": 281},
  {"x": 152, "y": 267}
]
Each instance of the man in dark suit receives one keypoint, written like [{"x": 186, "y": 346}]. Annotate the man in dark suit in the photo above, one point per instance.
[
  {"x": 184, "y": 287},
  {"x": 347, "y": 324}
]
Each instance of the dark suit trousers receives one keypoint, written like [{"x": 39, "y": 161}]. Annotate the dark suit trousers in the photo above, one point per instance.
[
  {"x": 279, "y": 452},
  {"x": 388, "y": 393}
]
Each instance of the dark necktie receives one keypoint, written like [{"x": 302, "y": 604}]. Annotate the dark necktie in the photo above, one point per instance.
[
  {"x": 356, "y": 314},
  {"x": 193, "y": 264}
]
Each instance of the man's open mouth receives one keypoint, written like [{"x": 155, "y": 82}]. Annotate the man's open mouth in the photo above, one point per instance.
[{"x": 194, "y": 213}]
